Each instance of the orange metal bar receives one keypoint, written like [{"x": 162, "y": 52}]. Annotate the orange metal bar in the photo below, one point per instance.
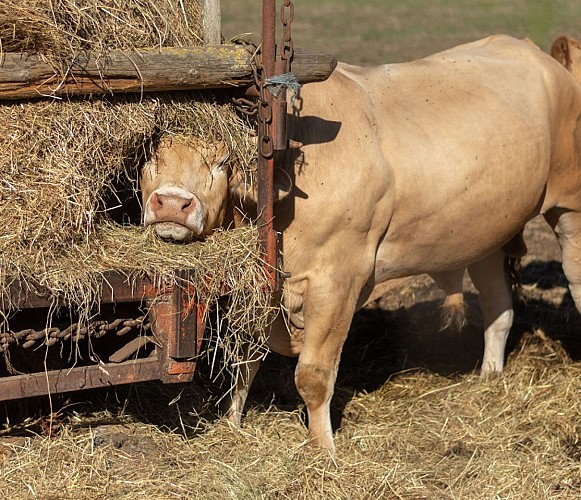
[
  {"x": 76, "y": 379},
  {"x": 266, "y": 163}
]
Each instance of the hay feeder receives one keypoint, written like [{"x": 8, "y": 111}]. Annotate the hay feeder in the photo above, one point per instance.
[{"x": 169, "y": 336}]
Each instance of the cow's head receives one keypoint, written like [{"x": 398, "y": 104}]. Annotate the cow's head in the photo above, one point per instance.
[
  {"x": 567, "y": 51},
  {"x": 187, "y": 187},
  {"x": 184, "y": 188}
]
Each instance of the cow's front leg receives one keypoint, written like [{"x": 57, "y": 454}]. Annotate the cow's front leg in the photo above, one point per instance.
[{"x": 328, "y": 316}]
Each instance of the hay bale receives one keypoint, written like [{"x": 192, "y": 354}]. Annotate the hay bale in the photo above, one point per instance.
[
  {"x": 62, "y": 160},
  {"x": 58, "y": 30}
]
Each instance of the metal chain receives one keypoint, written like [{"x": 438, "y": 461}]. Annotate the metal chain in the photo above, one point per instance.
[
  {"x": 247, "y": 106},
  {"x": 266, "y": 146},
  {"x": 287, "y": 14},
  {"x": 50, "y": 336},
  {"x": 263, "y": 107}
]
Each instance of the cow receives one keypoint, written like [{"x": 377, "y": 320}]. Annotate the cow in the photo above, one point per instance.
[{"x": 430, "y": 166}]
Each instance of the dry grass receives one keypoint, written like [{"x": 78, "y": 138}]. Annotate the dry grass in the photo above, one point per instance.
[
  {"x": 59, "y": 30},
  {"x": 419, "y": 435},
  {"x": 63, "y": 160}
]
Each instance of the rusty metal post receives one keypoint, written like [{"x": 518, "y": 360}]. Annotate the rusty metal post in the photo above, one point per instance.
[
  {"x": 186, "y": 330},
  {"x": 176, "y": 324},
  {"x": 266, "y": 143}
]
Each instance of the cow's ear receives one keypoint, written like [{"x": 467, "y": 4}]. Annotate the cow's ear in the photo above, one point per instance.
[
  {"x": 561, "y": 51},
  {"x": 282, "y": 187}
]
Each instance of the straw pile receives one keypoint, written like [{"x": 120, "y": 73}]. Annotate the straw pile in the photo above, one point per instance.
[
  {"x": 62, "y": 161},
  {"x": 59, "y": 30},
  {"x": 419, "y": 435}
]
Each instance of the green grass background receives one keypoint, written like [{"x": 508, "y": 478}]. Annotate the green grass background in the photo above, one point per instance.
[{"x": 371, "y": 32}]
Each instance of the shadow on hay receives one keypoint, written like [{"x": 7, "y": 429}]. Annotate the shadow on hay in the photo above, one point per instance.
[
  {"x": 381, "y": 343},
  {"x": 554, "y": 313}
]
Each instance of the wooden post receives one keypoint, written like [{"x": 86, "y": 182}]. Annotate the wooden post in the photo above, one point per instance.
[{"x": 212, "y": 22}]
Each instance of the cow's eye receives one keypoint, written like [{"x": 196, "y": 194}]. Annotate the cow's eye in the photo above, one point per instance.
[{"x": 220, "y": 164}]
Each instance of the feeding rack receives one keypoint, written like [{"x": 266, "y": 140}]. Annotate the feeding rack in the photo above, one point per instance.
[{"x": 175, "y": 321}]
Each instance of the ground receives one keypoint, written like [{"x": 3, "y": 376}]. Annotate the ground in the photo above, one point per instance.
[{"x": 412, "y": 417}]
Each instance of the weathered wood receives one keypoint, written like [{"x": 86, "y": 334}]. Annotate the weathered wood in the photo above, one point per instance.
[
  {"x": 212, "y": 22},
  {"x": 146, "y": 70}
]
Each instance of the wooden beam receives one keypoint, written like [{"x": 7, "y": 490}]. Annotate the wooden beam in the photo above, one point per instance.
[{"x": 147, "y": 70}]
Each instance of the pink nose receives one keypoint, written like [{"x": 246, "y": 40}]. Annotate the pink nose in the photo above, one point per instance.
[{"x": 171, "y": 208}]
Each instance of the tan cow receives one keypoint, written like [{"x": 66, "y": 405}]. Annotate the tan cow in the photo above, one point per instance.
[{"x": 423, "y": 167}]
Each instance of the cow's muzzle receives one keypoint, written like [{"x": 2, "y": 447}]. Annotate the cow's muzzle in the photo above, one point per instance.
[{"x": 174, "y": 216}]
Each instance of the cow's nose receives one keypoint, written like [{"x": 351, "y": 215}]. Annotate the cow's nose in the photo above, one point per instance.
[{"x": 167, "y": 207}]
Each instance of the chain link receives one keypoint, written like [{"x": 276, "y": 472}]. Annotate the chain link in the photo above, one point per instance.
[
  {"x": 287, "y": 14},
  {"x": 247, "y": 106},
  {"x": 266, "y": 146},
  {"x": 50, "y": 336}
]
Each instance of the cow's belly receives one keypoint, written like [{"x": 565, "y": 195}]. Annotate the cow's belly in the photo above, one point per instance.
[
  {"x": 453, "y": 239},
  {"x": 464, "y": 203}
]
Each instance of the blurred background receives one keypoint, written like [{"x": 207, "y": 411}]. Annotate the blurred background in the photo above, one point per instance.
[{"x": 369, "y": 32}]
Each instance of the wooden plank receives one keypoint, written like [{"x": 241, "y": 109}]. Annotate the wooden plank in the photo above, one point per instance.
[{"x": 147, "y": 70}]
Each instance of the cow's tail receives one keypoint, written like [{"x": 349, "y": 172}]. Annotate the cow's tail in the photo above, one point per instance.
[
  {"x": 453, "y": 313},
  {"x": 514, "y": 251}
]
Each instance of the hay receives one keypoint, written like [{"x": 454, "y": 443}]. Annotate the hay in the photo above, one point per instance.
[
  {"x": 63, "y": 159},
  {"x": 63, "y": 162},
  {"x": 59, "y": 30},
  {"x": 419, "y": 435}
]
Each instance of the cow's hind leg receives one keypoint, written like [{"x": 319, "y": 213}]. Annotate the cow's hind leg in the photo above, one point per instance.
[{"x": 494, "y": 286}]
